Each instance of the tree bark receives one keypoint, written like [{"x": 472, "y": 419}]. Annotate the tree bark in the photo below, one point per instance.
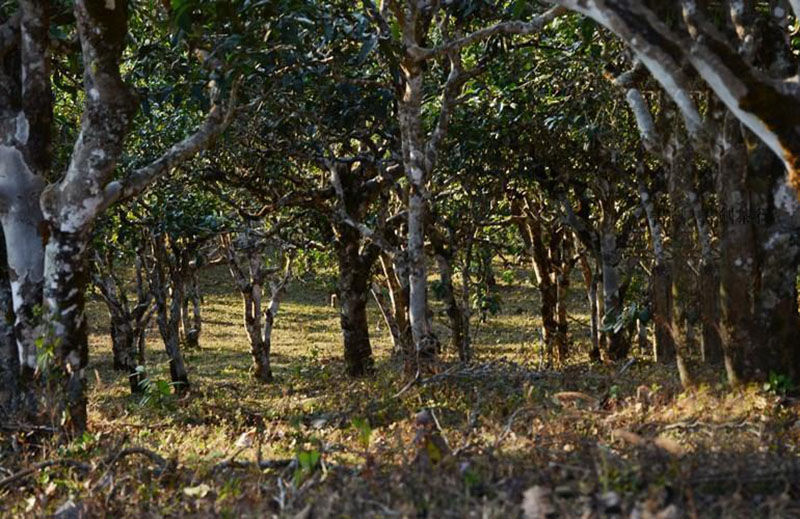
[
  {"x": 168, "y": 294},
  {"x": 618, "y": 345},
  {"x": 660, "y": 284},
  {"x": 354, "y": 284},
  {"x": 710, "y": 340},
  {"x": 444, "y": 254},
  {"x": 679, "y": 187},
  {"x": 737, "y": 254},
  {"x": 9, "y": 353},
  {"x": 590, "y": 280},
  {"x": 191, "y": 316}
]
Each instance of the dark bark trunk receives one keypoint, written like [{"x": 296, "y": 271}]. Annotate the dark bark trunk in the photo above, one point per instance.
[
  {"x": 664, "y": 346},
  {"x": 124, "y": 347},
  {"x": 9, "y": 354},
  {"x": 191, "y": 319},
  {"x": 682, "y": 282},
  {"x": 444, "y": 258},
  {"x": 618, "y": 344},
  {"x": 563, "y": 263},
  {"x": 545, "y": 279},
  {"x": 737, "y": 255},
  {"x": 354, "y": 279},
  {"x": 168, "y": 294},
  {"x": 711, "y": 342},
  {"x": 590, "y": 280}
]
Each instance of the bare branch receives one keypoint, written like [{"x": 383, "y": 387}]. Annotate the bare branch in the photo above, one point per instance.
[
  {"x": 641, "y": 111},
  {"x": 342, "y": 214},
  {"x": 214, "y": 124},
  {"x": 515, "y": 27}
]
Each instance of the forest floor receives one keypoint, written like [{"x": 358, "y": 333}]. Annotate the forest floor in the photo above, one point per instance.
[{"x": 502, "y": 438}]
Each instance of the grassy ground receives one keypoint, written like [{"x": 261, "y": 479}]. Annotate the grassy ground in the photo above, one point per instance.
[{"x": 502, "y": 439}]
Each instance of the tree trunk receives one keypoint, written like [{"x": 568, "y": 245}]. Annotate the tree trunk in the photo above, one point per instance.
[
  {"x": 354, "y": 281},
  {"x": 548, "y": 291},
  {"x": 388, "y": 316},
  {"x": 398, "y": 293},
  {"x": 660, "y": 284},
  {"x": 251, "y": 296},
  {"x": 21, "y": 221},
  {"x": 618, "y": 345},
  {"x": 664, "y": 343},
  {"x": 776, "y": 305},
  {"x": 417, "y": 169},
  {"x": 168, "y": 294},
  {"x": 191, "y": 319},
  {"x": 710, "y": 341},
  {"x": 679, "y": 188},
  {"x": 590, "y": 280},
  {"x": 124, "y": 347},
  {"x": 443, "y": 252},
  {"x": 9, "y": 353},
  {"x": 564, "y": 268},
  {"x": 66, "y": 280},
  {"x": 737, "y": 254}
]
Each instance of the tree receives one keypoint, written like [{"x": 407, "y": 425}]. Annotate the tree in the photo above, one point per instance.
[{"x": 52, "y": 271}]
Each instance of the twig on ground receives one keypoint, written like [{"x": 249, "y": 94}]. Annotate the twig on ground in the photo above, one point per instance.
[
  {"x": 42, "y": 465},
  {"x": 261, "y": 465}
]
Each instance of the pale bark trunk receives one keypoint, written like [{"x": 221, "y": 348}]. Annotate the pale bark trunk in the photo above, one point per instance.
[
  {"x": 398, "y": 293},
  {"x": 388, "y": 316},
  {"x": 21, "y": 221},
  {"x": 417, "y": 169},
  {"x": 618, "y": 346},
  {"x": 277, "y": 292}
]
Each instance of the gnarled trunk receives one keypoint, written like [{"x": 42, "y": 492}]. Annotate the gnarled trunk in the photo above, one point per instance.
[{"x": 354, "y": 284}]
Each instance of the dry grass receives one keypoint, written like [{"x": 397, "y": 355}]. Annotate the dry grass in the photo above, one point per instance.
[{"x": 603, "y": 444}]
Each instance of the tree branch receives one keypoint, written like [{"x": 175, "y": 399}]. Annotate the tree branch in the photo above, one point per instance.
[
  {"x": 514, "y": 27},
  {"x": 214, "y": 125}
]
